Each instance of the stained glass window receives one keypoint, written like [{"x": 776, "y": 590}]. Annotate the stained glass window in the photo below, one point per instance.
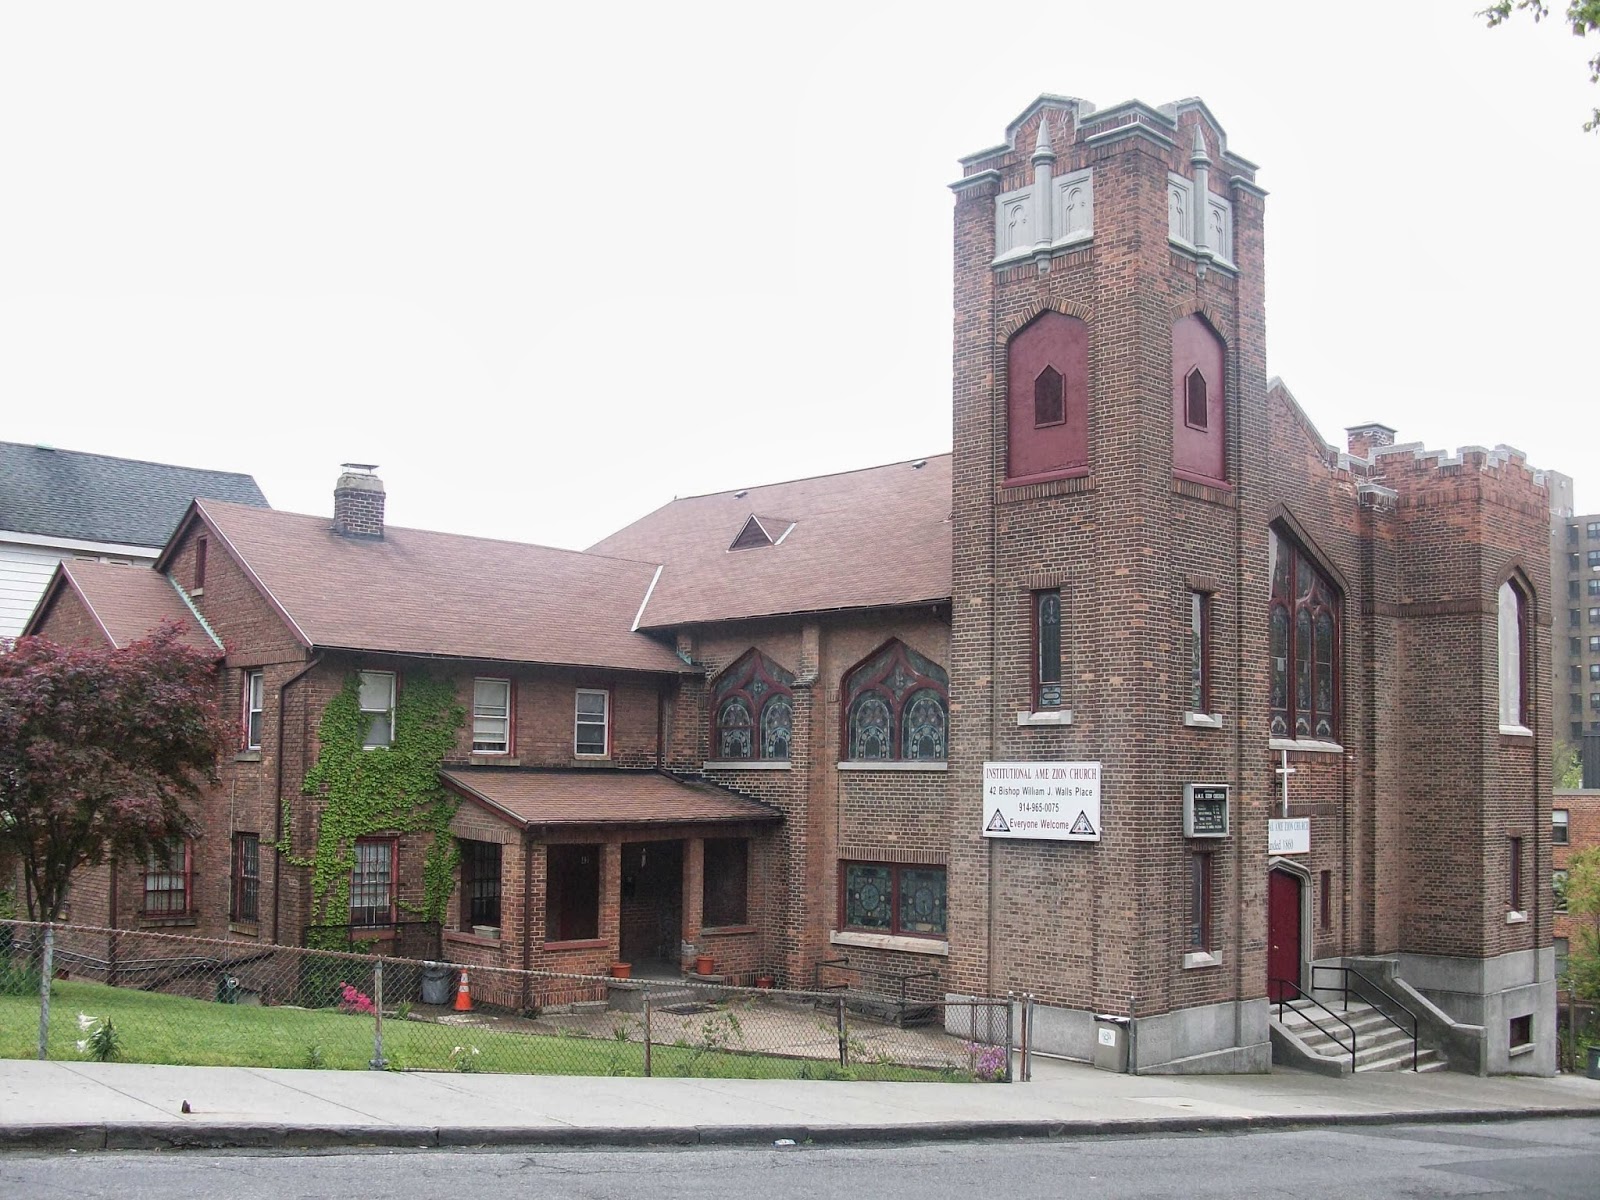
[
  {"x": 1047, "y": 640},
  {"x": 1304, "y": 647},
  {"x": 754, "y": 706},
  {"x": 895, "y": 899},
  {"x": 897, "y": 707}
]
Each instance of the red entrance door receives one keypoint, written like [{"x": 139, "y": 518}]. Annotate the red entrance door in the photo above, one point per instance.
[{"x": 1283, "y": 934}]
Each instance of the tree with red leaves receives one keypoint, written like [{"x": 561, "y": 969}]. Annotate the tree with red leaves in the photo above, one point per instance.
[{"x": 100, "y": 752}]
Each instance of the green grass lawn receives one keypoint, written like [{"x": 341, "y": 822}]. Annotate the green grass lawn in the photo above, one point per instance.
[{"x": 155, "y": 1028}]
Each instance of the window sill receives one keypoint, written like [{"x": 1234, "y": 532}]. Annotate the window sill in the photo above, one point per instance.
[
  {"x": 174, "y": 921},
  {"x": 1304, "y": 746},
  {"x": 479, "y": 759},
  {"x": 1196, "y": 720},
  {"x": 247, "y": 756},
  {"x": 1050, "y": 716},
  {"x": 1200, "y": 958},
  {"x": 1515, "y": 731},
  {"x": 747, "y": 764},
  {"x": 471, "y": 939},
  {"x": 891, "y": 765},
  {"x": 245, "y": 928},
  {"x": 1078, "y": 472},
  {"x": 581, "y": 944},
  {"x": 891, "y": 941},
  {"x": 590, "y": 760},
  {"x": 1519, "y": 1051},
  {"x": 1221, "y": 485},
  {"x": 715, "y": 931},
  {"x": 1516, "y": 918}
]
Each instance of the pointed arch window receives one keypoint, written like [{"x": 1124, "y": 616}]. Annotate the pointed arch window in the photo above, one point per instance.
[
  {"x": 753, "y": 710},
  {"x": 1513, "y": 657},
  {"x": 897, "y": 708},
  {"x": 1304, "y": 630}
]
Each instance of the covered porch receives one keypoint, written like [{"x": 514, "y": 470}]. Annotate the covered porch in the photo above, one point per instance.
[{"x": 597, "y": 871}]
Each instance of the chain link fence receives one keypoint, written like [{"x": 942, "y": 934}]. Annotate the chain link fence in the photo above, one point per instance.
[{"x": 76, "y": 992}]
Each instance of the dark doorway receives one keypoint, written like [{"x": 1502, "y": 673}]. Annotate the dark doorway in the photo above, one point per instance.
[
  {"x": 1284, "y": 898},
  {"x": 652, "y": 905}
]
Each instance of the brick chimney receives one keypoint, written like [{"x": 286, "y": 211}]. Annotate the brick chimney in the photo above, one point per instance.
[
  {"x": 358, "y": 502},
  {"x": 1364, "y": 439}
]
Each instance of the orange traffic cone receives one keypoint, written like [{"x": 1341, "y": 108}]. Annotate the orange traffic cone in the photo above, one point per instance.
[{"x": 463, "y": 995}]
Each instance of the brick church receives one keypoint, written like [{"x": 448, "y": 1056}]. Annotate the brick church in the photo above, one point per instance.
[{"x": 1146, "y": 700}]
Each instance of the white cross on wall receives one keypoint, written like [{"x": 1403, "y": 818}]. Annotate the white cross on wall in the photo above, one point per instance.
[{"x": 1283, "y": 773}]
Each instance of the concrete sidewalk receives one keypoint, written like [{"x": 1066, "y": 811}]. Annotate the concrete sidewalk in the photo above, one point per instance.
[{"x": 94, "y": 1106}]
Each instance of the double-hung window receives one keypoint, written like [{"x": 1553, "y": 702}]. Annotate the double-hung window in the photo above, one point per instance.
[
  {"x": 491, "y": 716},
  {"x": 1560, "y": 826},
  {"x": 255, "y": 692},
  {"x": 377, "y": 709},
  {"x": 591, "y": 723}
]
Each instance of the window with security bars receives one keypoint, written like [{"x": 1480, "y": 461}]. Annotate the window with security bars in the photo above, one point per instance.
[
  {"x": 372, "y": 882},
  {"x": 246, "y": 877},
  {"x": 166, "y": 878},
  {"x": 491, "y": 716},
  {"x": 892, "y": 898},
  {"x": 480, "y": 883}
]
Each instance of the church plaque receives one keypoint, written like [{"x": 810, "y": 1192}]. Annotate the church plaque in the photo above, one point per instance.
[{"x": 1205, "y": 810}]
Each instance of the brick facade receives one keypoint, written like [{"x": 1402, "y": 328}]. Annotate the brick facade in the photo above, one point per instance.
[{"x": 1139, "y": 489}]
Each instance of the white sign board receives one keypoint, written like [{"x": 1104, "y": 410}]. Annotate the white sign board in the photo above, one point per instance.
[
  {"x": 1289, "y": 835},
  {"x": 1056, "y": 801}
]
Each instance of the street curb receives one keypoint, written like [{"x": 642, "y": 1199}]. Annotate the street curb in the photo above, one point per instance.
[{"x": 171, "y": 1135}]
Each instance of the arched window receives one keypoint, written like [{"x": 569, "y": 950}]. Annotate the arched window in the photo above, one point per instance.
[
  {"x": 1047, "y": 402},
  {"x": 897, "y": 707},
  {"x": 1513, "y": 656},
  {"x": 752, "y": 705},
  {"x": 1304, "y": 644},
  {"x": 1199, "y": 394}
]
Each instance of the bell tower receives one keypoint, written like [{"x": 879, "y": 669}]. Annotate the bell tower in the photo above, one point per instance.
[{"x": 1110, "y": 564}]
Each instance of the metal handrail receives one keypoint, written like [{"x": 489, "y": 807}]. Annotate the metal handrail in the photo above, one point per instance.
[
  {"x": 1345, "y": 990},
  {"x": 1300, "y": 992}
]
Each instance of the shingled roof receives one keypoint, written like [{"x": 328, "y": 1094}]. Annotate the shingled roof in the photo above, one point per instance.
[
  {"x": 861, "y": 539},
  {"x": 126, "y": 602},
  {"x": 96, "y": 498},
  {"x": 602, "y": 797},
  {"x": 414, "y": 591}
]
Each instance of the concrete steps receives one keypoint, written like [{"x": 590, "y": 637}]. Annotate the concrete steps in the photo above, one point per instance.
[{"x": 1380, "y": 1046}]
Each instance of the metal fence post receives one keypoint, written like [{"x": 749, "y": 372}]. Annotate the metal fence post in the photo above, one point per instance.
[
  {"x": 844, "y": 1037},
  {"x": 378, "y": 1062},
  {"x": 46, "y": 969},
  {"x": 1010, "y": 1040},
  {"x": 1027, "y": 1038},
  {"x": 647, "y": 1031}
]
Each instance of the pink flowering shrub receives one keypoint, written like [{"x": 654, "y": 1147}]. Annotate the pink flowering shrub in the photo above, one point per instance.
[{"x": 353, "y": 1001}]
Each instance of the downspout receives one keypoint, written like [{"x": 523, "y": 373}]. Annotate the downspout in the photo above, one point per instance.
[
  {"x": 527, "y": 913},
  {"x": 277, "y": 797}
]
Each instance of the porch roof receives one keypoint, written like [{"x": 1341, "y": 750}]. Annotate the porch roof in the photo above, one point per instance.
[{"x": 599, "y": 796}]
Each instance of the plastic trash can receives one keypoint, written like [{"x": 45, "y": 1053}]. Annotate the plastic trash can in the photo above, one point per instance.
[
  {"x": 1110, "y": 1043},
  {"x": 436, "y": 983}
]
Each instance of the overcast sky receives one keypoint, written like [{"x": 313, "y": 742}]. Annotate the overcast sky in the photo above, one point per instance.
[{"x": 551, "y": 266}]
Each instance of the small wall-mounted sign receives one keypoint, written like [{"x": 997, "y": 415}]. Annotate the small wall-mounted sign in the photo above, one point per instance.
[
  {"x": 1289, "y": 835},
  {"x": 1205, "y": 810}
]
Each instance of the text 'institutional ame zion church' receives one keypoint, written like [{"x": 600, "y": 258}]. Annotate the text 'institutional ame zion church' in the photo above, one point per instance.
[{"x": 1145, "y": 700}]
